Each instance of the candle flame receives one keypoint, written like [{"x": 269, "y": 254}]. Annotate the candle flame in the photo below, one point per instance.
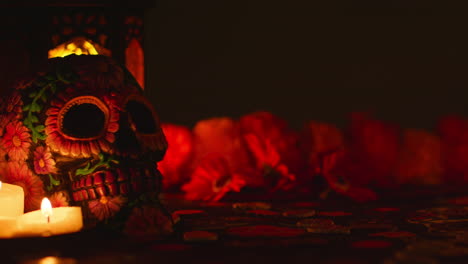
[
  {"x": 56, "y": 260},
  {"x": 46, "y": 207}
]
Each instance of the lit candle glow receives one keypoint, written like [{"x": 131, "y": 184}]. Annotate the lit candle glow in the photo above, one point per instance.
[
  {"x": 60, "y": 220},
  {"x": 46, "y": 209},
  {"x": 47, "y": 221}
]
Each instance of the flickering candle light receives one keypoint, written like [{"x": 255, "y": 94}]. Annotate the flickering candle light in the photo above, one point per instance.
[
  {"x": 46, "y": 209},
  {"x": 50, "y": 221},
  {"x": 11, "y": 200}
]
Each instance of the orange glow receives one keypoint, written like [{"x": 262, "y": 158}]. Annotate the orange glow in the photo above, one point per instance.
[
  {"x": 134, "y": 61},
  {"x": 78, "y": 46}
]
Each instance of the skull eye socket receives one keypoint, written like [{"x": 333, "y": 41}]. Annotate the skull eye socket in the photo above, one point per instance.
[
  {"x": 142, "y": 116},
  {"x": 83, "y": 118}
]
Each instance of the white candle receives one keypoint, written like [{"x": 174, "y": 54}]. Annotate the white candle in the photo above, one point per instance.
[
  {"x": 50, "y": 221},
  {"x": 11, "y": 200},
  {"x": 7, "y": 226}
]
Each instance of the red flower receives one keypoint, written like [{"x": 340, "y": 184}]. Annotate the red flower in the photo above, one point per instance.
[
  {"x": 268, "y": 161},
  {"x": 106, "y": 207},
  {"x": 367, "y": 160},
  {"x": 67, "y": 145},
  {"x": 341, "y": 185},
  {"x": 222, "y": 137},
  {"x": 5, "y": 119},
  {"x": 44, "y": 163},
  {"x": 3, "y": 156},
  {"x": 18, "y": 173},
  {"x": 372, "y": 152},
  {"x": 179, "y": 152},
  {"x": 10, "y": 110},
  {"x": 212, "y": 179},
  {"x": 273, "y": 148},
  {"x": 453, "y": 131},
  {"x": 16, "y": 141},
  {"x": 147, "y": 222},
  {"x": 59, "y": 199},
  {"x": 420, "y": 159},
  {"x": 14, "y": 104},
  {"x": 316, "y": 139}
]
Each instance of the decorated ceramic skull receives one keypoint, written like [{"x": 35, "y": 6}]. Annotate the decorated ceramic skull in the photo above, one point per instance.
[{"x": 81, "y": 133}]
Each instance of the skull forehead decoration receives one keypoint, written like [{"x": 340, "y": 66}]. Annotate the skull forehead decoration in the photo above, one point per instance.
[{"x": 81, "y": 133}]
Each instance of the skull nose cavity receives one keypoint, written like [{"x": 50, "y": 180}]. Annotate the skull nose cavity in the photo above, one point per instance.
[{"x": 141, "y": 117}]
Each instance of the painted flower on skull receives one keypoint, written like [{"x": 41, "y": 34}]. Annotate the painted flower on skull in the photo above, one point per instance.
[
  {"x": 106, "y": 207},
  {"x": 44, "y": 163},
  {"x": 59, "y": 199},
  {"x": 18, "y": 173},
  {"x": 16, "y": 141},
  {"x": 10, "y": 110},
  {"x": 13, "y": 104}
]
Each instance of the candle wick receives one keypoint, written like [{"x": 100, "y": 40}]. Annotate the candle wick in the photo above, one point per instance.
[{"x": 48, "y": 219}]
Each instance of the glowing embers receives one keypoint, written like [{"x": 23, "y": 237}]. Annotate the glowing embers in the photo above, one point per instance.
[{"x": 78, "y": 46}]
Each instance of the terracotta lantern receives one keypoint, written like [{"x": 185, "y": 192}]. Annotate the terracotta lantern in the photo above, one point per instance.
[{"x": 81, "y": 132}]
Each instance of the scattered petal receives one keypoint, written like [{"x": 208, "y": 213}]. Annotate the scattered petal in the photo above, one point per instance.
[
  {"x": 376, "y": 244},
  {"x": 265, "y": 231},
  {"x": 335, "y": 213},
  {"x": 394, "y": 234},
  {"x": 198, "y": 235},
  {"x": 299, "y": 213},
  {"x": 251, "y": 206},
  {"x": 262, "y": 212}
]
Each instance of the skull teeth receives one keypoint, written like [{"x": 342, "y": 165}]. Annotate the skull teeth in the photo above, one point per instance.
[{"x": 116, "y": 182}]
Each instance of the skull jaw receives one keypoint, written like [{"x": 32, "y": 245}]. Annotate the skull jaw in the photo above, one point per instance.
[{"x": 107, "y": 193}]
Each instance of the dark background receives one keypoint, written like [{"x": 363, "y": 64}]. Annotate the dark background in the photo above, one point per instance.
[{"x": 307, "y": 60}]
